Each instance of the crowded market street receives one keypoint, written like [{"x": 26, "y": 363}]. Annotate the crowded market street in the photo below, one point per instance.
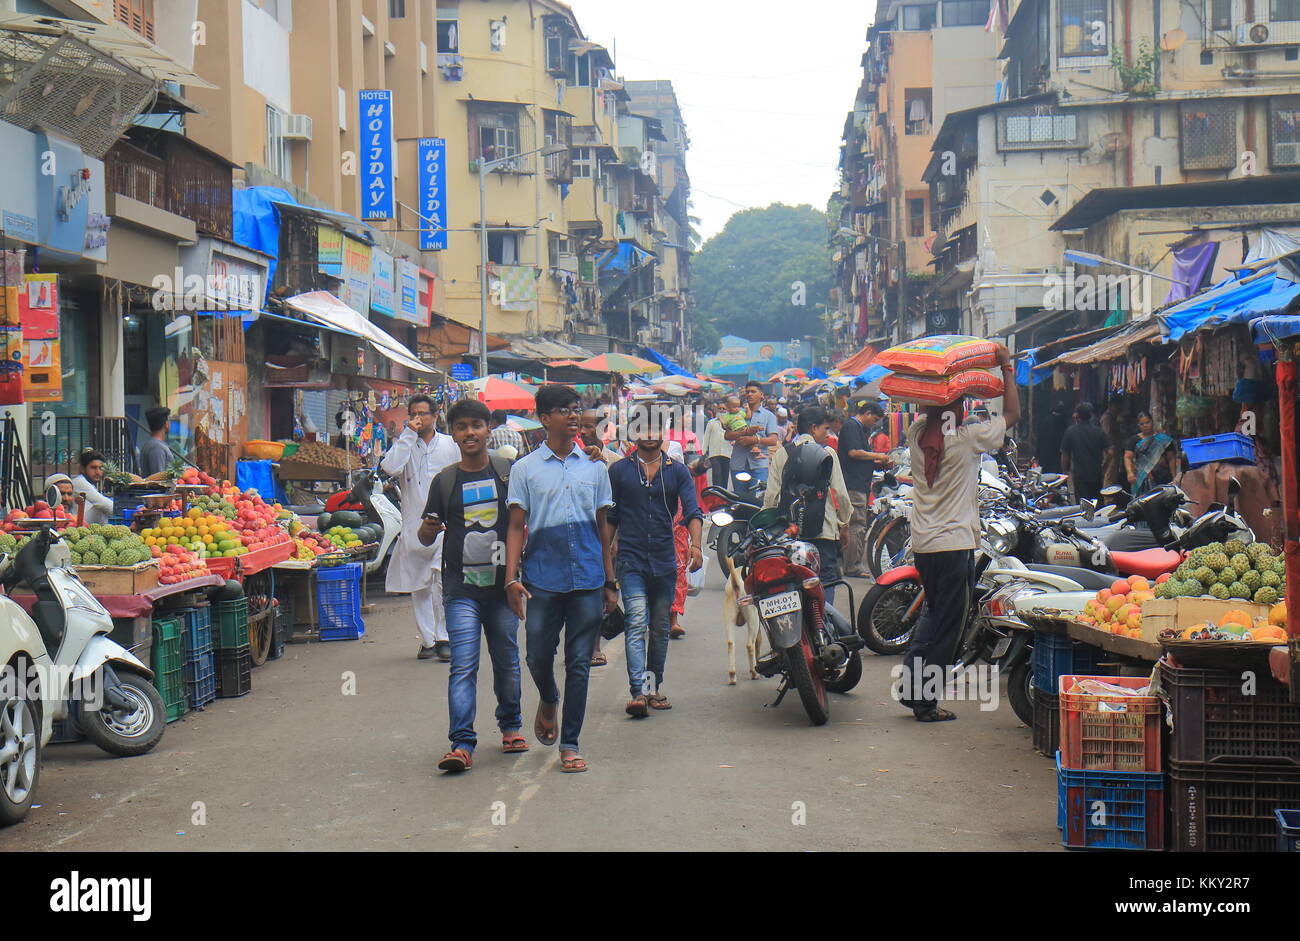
[{"x": 301, "y": 767}]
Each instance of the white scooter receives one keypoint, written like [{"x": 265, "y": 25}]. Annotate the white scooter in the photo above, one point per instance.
[
  {"x": 121, "y": 712},
  {"x": 378, "y": 508}
]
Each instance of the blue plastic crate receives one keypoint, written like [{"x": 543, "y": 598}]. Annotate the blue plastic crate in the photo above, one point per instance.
[
  {"x": 338, "y": 602},
  {"x": 202, "y": 693},
  {"x": 197, "y": 631},
  {"x": 1233, "y": 447},
  {"x": 1121, "y": 810},
  {"x": 1288, "y": 830},
  {"x": 1055, "y": 656},
  {"x": 202, "y": 666}
]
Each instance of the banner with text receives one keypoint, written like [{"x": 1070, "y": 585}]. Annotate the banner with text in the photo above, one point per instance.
[
  {"x": 433, "y": 194},
  {"x": 377, "y": 199}
]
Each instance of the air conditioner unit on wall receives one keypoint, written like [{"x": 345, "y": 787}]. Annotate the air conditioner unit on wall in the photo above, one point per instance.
[
  {"x": 1252, "y": 33},
  {"x": 297, "y": 127}
]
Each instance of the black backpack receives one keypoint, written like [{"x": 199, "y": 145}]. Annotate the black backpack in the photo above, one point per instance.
[{"x": 814, "y": 497}]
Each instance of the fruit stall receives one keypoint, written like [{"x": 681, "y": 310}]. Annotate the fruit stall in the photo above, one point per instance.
[{"x": 200, "y": 579}]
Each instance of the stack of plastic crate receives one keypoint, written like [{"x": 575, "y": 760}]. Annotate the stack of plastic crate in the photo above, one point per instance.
[
  {"x": 200, "y": 664},
  {"x": 1054, "y": 656},
  {"x": 168, "y": 660},
  {"x": 1234, "y": 758},
  {"x": 1111, "y": 790},
  {"x": 234, "y": 655}
]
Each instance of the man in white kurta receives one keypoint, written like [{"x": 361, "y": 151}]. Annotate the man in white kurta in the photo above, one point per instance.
[{"x": 417, "y": 457}]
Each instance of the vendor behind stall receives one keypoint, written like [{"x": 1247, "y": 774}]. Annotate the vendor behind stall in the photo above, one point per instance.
[
  {"x": 99, "y": 508},
  {"x": 155, "y": 455}
]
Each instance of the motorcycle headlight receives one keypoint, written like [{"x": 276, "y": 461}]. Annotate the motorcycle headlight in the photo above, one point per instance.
[{"x": 1003, "y": 534}]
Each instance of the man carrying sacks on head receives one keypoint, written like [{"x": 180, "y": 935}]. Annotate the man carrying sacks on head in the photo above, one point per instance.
[{"x": 945, "y": 452}]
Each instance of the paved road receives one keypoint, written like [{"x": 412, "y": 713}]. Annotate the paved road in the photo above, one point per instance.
[{"x": 300, "y": 766}]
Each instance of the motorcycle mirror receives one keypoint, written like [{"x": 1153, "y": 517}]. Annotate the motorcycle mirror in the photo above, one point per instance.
[
  {"x": 722, "y": 518},
  {"x": 1114, "y": 490},
  {"x": 1234, "y": 486},
  {"x": 53, "y": 496},
  {"x": 744, "y": 477}
]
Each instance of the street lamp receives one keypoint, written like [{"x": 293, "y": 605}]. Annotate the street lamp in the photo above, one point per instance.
[
  {"x": 484, "y": 168},
  {"x": 1091, "y": 260}
]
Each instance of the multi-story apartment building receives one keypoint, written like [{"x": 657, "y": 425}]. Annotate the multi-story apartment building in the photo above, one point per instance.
[
  {"x": 1102, "y": 95},
  {"x": 924, "y": 61},
  {"x": 669, "y": 325}
]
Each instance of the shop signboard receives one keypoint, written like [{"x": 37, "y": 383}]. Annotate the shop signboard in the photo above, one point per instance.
[
  {"x": 433, "y": 194},
  {"x": 383, "y": 288},
  {"x": 52, "y": 195},
  {"x": 377, "y": 199},
  {"x": 329, "y": 250},
  {"x": 356, "y": 275},
  {"x": 38, "y": 305},
  {"x": 408, "y": 283},
  {"x": 462, "y": 372}
]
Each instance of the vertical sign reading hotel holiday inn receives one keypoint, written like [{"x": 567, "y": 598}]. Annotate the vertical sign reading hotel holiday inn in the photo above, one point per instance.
[
  {"x": 377, "y": 200},
  {"x": 433, "y": 194}
]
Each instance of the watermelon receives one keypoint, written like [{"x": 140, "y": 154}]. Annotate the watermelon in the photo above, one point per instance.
[
  {"x": 324, "y": 522},
  {"x": 348, "y": 519}
]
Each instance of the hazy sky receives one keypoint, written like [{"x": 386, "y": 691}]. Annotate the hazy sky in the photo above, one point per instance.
[{"x": 764, "y": 85}]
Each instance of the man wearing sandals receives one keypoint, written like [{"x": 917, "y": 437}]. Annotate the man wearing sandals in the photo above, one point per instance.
[
  {"x": 649, "y": 490},
  {"x": 567, "y": 576},
  {"x": 946, "y": 453},
  {"x": 467, "y": 502}
]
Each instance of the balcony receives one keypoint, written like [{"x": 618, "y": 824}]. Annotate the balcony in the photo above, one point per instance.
[{"x": 181, "y": 178}]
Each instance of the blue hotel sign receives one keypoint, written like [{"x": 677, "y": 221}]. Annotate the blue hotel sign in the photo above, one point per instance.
[
  {"x": 377, "y": 198},
  {"x": 433, "y": 194}
]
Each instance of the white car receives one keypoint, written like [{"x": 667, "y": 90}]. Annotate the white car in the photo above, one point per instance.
[{"x": 26, "y": 720}]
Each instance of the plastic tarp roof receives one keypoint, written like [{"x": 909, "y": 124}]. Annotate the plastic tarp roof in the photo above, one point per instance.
[
  {"x": 1236, "y": 300},
  {"x": 1272, "y": 329},
  {"x": 668, "y": 365},
  {"x": 327, "y": 309}
]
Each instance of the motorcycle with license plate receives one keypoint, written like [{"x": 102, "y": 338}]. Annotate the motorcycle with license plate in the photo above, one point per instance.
[
  {"x": 814, "y": 649},
  {"x": 68, "y": 657}
]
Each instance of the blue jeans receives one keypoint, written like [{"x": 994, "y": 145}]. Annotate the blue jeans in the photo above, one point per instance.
[
  {"x": 755, "y": 485},
  {"x": 829, "y": 550},
  {"x": 466, "y": 618},
  {"x": 647, "y": 609},
  {"x": 578, "y": 614}
]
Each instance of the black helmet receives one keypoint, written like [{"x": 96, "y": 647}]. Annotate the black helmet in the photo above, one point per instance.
[{"x": 812, "y": 466}]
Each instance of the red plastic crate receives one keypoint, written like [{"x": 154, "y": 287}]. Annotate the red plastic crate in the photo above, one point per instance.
[{"x": 1110, "y": 733}]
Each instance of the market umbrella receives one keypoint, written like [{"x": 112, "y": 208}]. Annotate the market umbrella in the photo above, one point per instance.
[
  {"x": 789, "y": 374},
  {"x": 556, "y": 364},
  {"x": 495, "y": 392},
  {"x": 621, "y": 363},
  {"x": 872, "y": 377},
  {"x": 518, "y": 423}
]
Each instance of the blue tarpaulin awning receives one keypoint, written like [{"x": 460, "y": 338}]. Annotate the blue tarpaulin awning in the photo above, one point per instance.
[
  {"x": 1232, "y": 301},
  {"x": 668, "y": 365}
]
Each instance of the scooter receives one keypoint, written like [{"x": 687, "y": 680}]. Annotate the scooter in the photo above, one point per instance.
[
  {"x": 121, "y": 712},
  {"x": 378, "y": 508}
]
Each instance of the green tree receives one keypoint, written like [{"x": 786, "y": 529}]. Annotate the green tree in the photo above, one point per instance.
[{"x": 763, "y": 276}]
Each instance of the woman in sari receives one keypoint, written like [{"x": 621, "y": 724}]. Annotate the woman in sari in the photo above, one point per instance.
[{"x": 1150, "y": 457}]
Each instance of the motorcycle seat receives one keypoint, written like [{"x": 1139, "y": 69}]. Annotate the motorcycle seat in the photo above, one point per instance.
[
  {"x": 730, "y": 497},
  {"x": 1090, "y": 580},
  {"x": 1149, "y": 563},
  {"x": 1059, "y": 513},
  {"x": 1053, "y": 480}
]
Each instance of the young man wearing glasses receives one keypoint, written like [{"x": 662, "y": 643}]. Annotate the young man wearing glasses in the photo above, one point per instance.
[{"x": 567, "y": 573}]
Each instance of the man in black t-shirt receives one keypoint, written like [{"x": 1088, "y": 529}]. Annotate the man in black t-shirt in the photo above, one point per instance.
[
  {"x": 1083, "y": 453},
  {"x": 862, "y": 450},
  {"x": 467, "y": 501}
]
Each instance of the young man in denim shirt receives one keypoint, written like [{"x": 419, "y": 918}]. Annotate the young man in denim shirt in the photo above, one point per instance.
[
  {"x": 561, "y": 495},
  {"x": 649, "y": 488}
]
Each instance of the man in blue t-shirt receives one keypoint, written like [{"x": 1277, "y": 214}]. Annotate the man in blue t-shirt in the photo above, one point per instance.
[
  {"x": 749, "y": 453},
  {"x": 566, "y": 577}
]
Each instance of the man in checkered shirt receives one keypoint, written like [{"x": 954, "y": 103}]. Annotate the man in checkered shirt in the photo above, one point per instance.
[{"x": 503, "y": 435}]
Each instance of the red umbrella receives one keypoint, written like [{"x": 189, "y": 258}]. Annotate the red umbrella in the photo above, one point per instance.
[{"x": 501, "y": 393}]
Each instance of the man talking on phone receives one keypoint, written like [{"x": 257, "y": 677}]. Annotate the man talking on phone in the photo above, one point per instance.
[{"x": 415, "y": 459}]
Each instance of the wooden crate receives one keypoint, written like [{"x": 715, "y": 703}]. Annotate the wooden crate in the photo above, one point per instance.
[
  {"x": 1177, "y": 613},
  {"x": 120, "y": 580}
]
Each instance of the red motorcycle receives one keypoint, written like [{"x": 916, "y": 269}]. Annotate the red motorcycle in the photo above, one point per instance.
[{"x": 814, "y": 648}]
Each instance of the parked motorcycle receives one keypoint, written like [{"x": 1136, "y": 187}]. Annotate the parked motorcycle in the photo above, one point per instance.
[
  {"x": 814, "y": 648},
  {"x": 130, "y": 718},
  {"x": 378, "y": 508}
]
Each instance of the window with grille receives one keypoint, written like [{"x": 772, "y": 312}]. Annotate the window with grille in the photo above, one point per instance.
[
  {"x": 277, "y": 148},
  {"x": 503, "y": 248},
  {"x": 497, "y": 134},
  {"x": 965, "y": 12},
  {"x": 584, "y": 163},
  {"x": 559, "y": 130},
  {"x": 1209, "y": 135},
  {"x": 1284, "y": 132},
  {"x": 558, "y": 35},
  {"x": 1284, "y": 10},
  {"x": 919, "y": 17},
  {"x": 136, "y": 15},
  {"x": 1220, "y": 15},
  {"x": 1038, "y": 129},
  {"x": 916, "y": 217},
  {"x": 1084, "y": 27},
  {"x": 448, "y": 29},
  {"x": 916, "y": 110}
]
